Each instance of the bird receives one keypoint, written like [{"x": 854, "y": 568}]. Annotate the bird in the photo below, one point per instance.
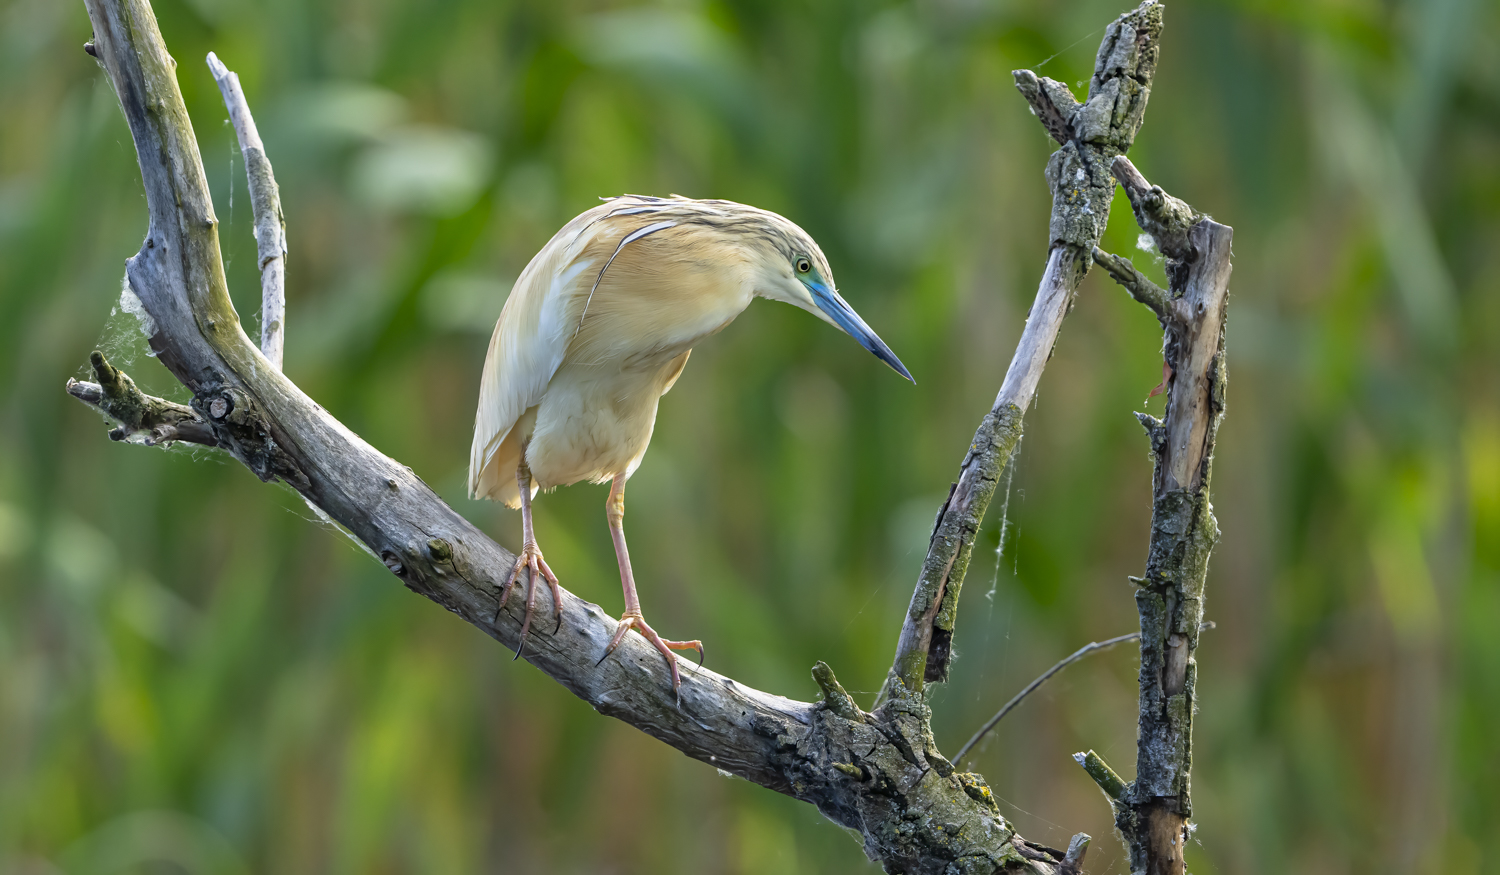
[{"x": 598, "y": 328}]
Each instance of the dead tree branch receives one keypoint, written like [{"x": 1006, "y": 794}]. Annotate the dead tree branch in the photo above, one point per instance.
[
  {"x": 265, "y": 204},
  {"x": 878, "y": 773},
  {"x": 1072, "y": 863},
  {"x": 1081, "y": 653},
  {"x": 1152, "y": 812},
  {"x": 1091, "y": 134},
  {"x": 142, "y": 418},
  {"x": 258, "y": 415},
  {"x": 1136, "y": 283}
]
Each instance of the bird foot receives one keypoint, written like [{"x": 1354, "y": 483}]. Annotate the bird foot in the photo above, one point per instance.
[
  {"x": 530, "y": 560},
  {"x": 633, "y": 620}
]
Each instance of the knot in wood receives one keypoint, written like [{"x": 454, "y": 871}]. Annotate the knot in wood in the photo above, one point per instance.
[
  {"x": 225, "y": 405},
  {"x": 440, "y": 550}
]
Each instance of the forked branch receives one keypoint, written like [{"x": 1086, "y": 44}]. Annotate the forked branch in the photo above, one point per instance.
[
  {"x": 1152, "y": 812},
  {"x": 140, "y": 417},
  {"x": 878, "y": 773},
  {"x": 1091, "y": 133}
]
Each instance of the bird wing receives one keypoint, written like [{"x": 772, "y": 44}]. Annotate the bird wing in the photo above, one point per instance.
[{"x": 539, "y": 321}]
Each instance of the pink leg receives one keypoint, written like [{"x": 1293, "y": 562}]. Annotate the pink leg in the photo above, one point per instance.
[
  {"x": 530, "y": 559},
  {"x": 615, "y": 509}
]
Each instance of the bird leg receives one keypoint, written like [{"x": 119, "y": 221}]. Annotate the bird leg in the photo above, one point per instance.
[
  {"x": 614, "y": 508},
  {"x": 530, "y": 560}
]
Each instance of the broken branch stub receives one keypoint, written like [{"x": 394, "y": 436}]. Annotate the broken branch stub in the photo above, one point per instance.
[{"x": 140, "y": 417}]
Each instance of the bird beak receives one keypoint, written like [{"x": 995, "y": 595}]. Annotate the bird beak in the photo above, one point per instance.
[{"x": 844, "y": 317}]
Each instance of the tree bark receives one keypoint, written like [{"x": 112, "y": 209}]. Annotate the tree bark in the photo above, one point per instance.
[
  {"x": 878, "y": 773},
  {"x": 1091, "y": 134},
  {"x": 1152, "y": 812}
]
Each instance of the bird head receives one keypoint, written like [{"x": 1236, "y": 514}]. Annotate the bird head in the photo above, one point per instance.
[{"x": 791, "y": 268}]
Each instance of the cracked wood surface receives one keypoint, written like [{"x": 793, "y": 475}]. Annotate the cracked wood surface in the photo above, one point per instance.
[
  {"x": 878, "y": 773},
  {"x": 1152, "y": 812},
  {"x": 1091, "y": 134}
]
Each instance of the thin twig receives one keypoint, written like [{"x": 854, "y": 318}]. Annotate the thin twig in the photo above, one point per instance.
[
  {"x": 1133, "y": 281},
  {"x": 1030, "y": 688},
  {"x": 265, "y": 202},
  {"x": 1080, "y": 653},
  {"x": 1107, "y": 778}
]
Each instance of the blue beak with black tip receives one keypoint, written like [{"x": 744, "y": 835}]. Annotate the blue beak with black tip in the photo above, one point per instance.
[{"x": 844, "y": 316}]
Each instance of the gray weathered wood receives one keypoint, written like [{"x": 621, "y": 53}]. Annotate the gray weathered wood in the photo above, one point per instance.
[
  {"x": 1090, "y": 133},
  {"x": 1152, "y": 812},
  {"x": 142, "y": 418},
  {"x": 879, "y": 774},
  {"x": 265, "y": 206},
  {"x": 281, "y": 433}
]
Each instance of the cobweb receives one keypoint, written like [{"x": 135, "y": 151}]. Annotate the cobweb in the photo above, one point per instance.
[
  {"x": 124, "y": 341},
  {"x": 992, "y": 667},
  {"x": 123, "y": 337}
]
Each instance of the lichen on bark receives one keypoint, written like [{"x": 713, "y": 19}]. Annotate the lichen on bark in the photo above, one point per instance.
[
  {"x": 881, "y": 775},
  {"x": 1152, "y": 814},
  {"x": 1091, "y": 134}
]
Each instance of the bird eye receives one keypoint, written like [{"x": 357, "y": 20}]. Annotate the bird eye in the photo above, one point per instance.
[{"x": 803, "y": 265}]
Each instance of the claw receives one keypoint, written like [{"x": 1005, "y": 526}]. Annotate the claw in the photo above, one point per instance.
[
  {"x": 531, "y": 562},
  {"x": 636, "y": 621}
]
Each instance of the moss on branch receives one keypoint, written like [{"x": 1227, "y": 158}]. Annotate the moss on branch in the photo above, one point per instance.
[{"x": 141, "y": 418}]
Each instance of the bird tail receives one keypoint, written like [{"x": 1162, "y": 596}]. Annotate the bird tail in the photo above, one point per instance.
[{"x": 492, "y": 469}]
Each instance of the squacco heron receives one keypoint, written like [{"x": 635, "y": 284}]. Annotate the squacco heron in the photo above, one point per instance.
[{"x": 597, "y": 329}]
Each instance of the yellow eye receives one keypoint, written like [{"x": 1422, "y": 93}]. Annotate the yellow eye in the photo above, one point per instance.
[{"x": 803, "y": 265}]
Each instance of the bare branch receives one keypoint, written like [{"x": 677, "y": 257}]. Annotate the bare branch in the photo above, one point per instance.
[
  {"x": 1152, "y": 816},
  {"x": 1092, "y": 133},
  {"x": 1190, "y": 410},
  {"x": 1136, "y": 283},
  {"x": 1164, "y": 217},
  {"x": 1072, "y": 863},
  {"x": 880, "y": 774},
  {"x": 265, "y": 203},
  {"x": 142, "y": 418},
  {"x": 835, "y": 697},
  {"x": 1051, "y": 102},
  {"x": 277, "y": 431},
  {"x": 1080, "y": 653},
  {"x": 1111, "y": 783}
]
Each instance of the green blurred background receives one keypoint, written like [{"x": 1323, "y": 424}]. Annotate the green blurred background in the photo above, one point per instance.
[{"x": 199, "y": 676}]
